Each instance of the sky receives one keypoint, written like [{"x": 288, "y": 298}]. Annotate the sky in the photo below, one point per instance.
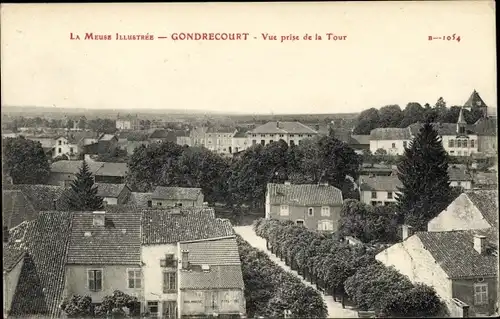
[{"x": 385, "y": 59}]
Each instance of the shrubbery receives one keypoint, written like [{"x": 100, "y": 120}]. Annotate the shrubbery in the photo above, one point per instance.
[{"x": 270, "y": 290}]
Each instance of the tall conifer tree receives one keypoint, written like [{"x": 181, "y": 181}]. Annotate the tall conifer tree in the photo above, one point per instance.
[
  {"x": 423, "y": 172},
  {"x": 83, "y": 193}
]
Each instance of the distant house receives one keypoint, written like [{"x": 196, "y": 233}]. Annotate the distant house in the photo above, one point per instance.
[
  {"x": 486, "y": 129},
  {"x": 110, "y": 172},
  {"x": 475, "y": 209},
  {"x": 113, "y": 194},
  {"x": 462, "y": 266},
  {"x": 128, "y": 122},
  {"x": 107, "y": 143},
  {"x": 240, "y": 142},
  {"x": 359, "y": 143},
  {"x": 378, "y": 169},
  {"x": 160, "y": 136},
  {"x": 62, "y": 173},
  {"x": 65, "y": 146},
  {"x": 314, "y": 206},
  {"x": 378, "y": 190},
  {"x": 132, "y": 145},
  {"x": 293, "y": 133},
  {"x": 217, "y": 139},
  {"x": 390, "y": 139},
  {"x": 485, "y": 180},
  {"x": 16, "y": 208},
  {"x": 104, "y": 254},
  {"x": 140, "y": 200},
  {"x": 176, "y": 196},
  {"x": 172, "y": 295},
  {"x": 40, "y": 197},
  {"x": 459, "y": 177}
]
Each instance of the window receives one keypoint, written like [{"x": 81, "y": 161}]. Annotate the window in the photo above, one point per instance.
[
  {"x": 59, "y": 150},
  {"x": 464, "y": 143},
  {"x": 168, "y": 261},
  {"x": 158, "y": 203},
  {"x": 291, "y": 135},
  {"x": 480, "y": 293},
  {"x": 282, "y": 135},
  {"x": 374, "y": 203},
  {"x": 284, "y": 210},
  {"x": 459, "y": 153},
  {"x": 299, "y": 222},
  {"x": 94, "y": 277},
  {"x": 263, "y": 142},
  {"x": 262, "y": 135},
  {"x": 405, "y": 143},
  {"x": 71, "y": 150},
  {"x": 59, "y": 142},
  {"x": 271, "y": 135},
  {"x": 393, "y": 145},
  {"x": 325, "y": 225},
  {"x": 451, "y": 143},
  {"x": 153, "y": 308},
  {"x": 461, "y": 129},
  {"x": 254, "y": 135},
  {"x": 270, "y": 141},
  {"x": 134, "y": 278},
  {"x": 309, "y": 135},
  {"x": 459, "y": 143},
  {"x": 459, "y": 183},
  {"x": 374, "y": 194},
  {"x": 292, "y": 143},
  {"x": 310, "y": 211},
  {"x": 389, "y": 195},
  {"x": 325, "y": 211},
  {"x": 472, "y": 143},
  {"x": 150, "y": 203},
  {"x": 169, "y": 309},
  {"x": 169, "y": 281}
]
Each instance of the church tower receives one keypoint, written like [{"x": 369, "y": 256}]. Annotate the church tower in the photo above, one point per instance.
[
  {"x": 461, "y": 124},
  {"x": 475, "y": 101}
]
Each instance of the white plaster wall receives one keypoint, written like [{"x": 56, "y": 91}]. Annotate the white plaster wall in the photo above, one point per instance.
[
  {"x": 387, "y": 145},
  {"x": 464, "y": 184},
  {"x": 461, "y": 214},
  {"x": 153, "y": 272},
  {"x": 366, "y": 197}
]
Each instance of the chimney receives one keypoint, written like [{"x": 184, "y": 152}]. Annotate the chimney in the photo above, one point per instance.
[
  {"x": 287, "y": 183},
  {"x": 98, "y": 218},
  {"x": 480, "y": 244},
  {"x": 185, "y": 259},
  {"x": 277, "y": 124},
  {"x": 205, "y": 268},
  {"x": 407, "y": 231}
]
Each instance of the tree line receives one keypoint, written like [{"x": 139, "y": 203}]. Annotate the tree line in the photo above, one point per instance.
[
  {"x": 351, "y": 271},
  {"x": 107, "y": 126},
  {"x": 394, "y": 116},
  {"x": 270, "y": 290},
  {"x": 243, "y": 181}
]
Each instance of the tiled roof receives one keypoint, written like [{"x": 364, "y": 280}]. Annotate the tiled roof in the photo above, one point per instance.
[
  {"x": 443, "y": 129},
  {"x": 486, "y": 126},
  {"x": 41, "y": 282},
  {"x": 486, "y": 178},
  {"x": 11, "y": 256},
  {"x": 133, "y": 135},
  {"x": 454, "y": 252},
  {"x": 139, "y": 199},
  {"x": 379, "y": 183},
  {"x": 164, "y": 227},
  {"x": 218, "y": 277},
  {"x": 222, "y": 129},
  {"x": 240, "y": 134},
  {"x": 77, "y": 137},
  {"x": 304, "y": 195},
  {"x": 222, "y": 257},
  {"x": 487, "y": 203},
  {"x": 118, "y": 242},
  {"x": 390, "y": 133},
  {"x": 159, "y": 133},
  {"x": 42, "y": 197},
  {"x": 475, "y": 100},
  {"x": 360, "y": 139},
  {"x": 458, "y": 174},
  {"x": 283, "y": 128},
  {"x": 109, "y": 190},
  {"x": 46, "y": 142},
  {"x": 112, "y": 169},
  {"x": 73, "y": 167},
  {"x": 16, "y": 208},
  {"x": 176, "y": 193},
  {"x": 107, "y": 137}
]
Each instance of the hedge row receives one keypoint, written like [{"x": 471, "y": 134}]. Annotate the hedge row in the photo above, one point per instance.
[
  {"x": 347, "y": 270},
  {"x": 270, "y": 290}
]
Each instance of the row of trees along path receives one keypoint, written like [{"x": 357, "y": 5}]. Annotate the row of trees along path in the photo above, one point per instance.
[{"x": 335, "y": 309}]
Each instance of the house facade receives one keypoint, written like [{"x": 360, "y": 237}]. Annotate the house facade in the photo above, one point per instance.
[
  {"x": 240, "y": 142},
  {"x": 113, "y": 194},
  {"x": 63, "y": 146},
  {"x": 177, "y": 196},
  {"x": 316, "y": 207},
  {"x": 62, "y": 173},
  {"x": 378, "y": 190},
  {"x": 460, "y": 177},
  {"x": 392, "y": 140},
  {"x": 293, "y": 133},
  {"x": 217, "y": 139},
  {"x": 111, "y": 172}
]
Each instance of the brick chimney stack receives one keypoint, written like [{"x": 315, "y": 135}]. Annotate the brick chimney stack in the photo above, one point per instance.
[{"x": 185, "y": 259}]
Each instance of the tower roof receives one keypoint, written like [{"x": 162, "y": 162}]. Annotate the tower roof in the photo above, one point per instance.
[
  {"x": 475, "y": 100},
  {"x": 461, "y": 119}
]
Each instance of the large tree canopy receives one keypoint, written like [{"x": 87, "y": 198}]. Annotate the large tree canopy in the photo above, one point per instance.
[{"x": 24, "y": 161}]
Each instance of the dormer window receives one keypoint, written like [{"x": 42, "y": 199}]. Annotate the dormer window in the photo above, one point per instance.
[
  {"x": 168, "y": 261},
  {"x": 98, "y": 218}
]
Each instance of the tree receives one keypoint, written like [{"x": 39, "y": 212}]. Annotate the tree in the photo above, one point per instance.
[
  {"x": 117, "y": 155},
  {"x": 380, "y": 151},
  {"x": 423, "y": 172},
  {"x": 69, "y": 124},
  {"x": 82, "y": 123},
  {"x": 114, "y": 306},
  {"x": 83, "y": 193},
  {"x": 414, "y": 112},
  {"x": 390, "y": 116},
  {"x": 24, "y": 161},
  {"x": 367, "y": 121},
  {"x": 78, "y": 307}
]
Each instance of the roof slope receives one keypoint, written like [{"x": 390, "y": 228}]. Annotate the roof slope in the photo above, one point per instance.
[
  {"x": 109, "y": 190},
  {"x": 139, "y": 199},
  {"x": 118, "y": 242},
  {"x": 43, "y": 197},
  {"x": 16, "y": 208},
  {"x": 304, "y": 195},
  {"x": 176, "y": 193},
  {"x": 487, "y": 203},
  {"x": 486, "y": 178},
  {"x": 11, "y": 256},
  {"x": 379, "y": 183},
  {"x": 443, "y": 129},
  {"x": 458, "y": 174},
  {"x": 283, "y": 128},
  {"x": 486, "y": 126},
  {"x": 41, "y": 282},
  {"x": 390, "y": 133},
  {"x": 165, "y": 227},
  {"x": 73, "y": 167},
  {"x": 112, "y": 169},
  {"x": 223, "y": 259},
  {"x": 475, "y": 100},
  {"x": 454, "y": 252}
]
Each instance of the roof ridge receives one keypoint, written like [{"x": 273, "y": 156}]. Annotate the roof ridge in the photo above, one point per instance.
[{"x": 206, "y": 239}]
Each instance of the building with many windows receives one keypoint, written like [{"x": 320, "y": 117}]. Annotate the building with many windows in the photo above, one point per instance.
[{"x": 293, "y": 133}]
